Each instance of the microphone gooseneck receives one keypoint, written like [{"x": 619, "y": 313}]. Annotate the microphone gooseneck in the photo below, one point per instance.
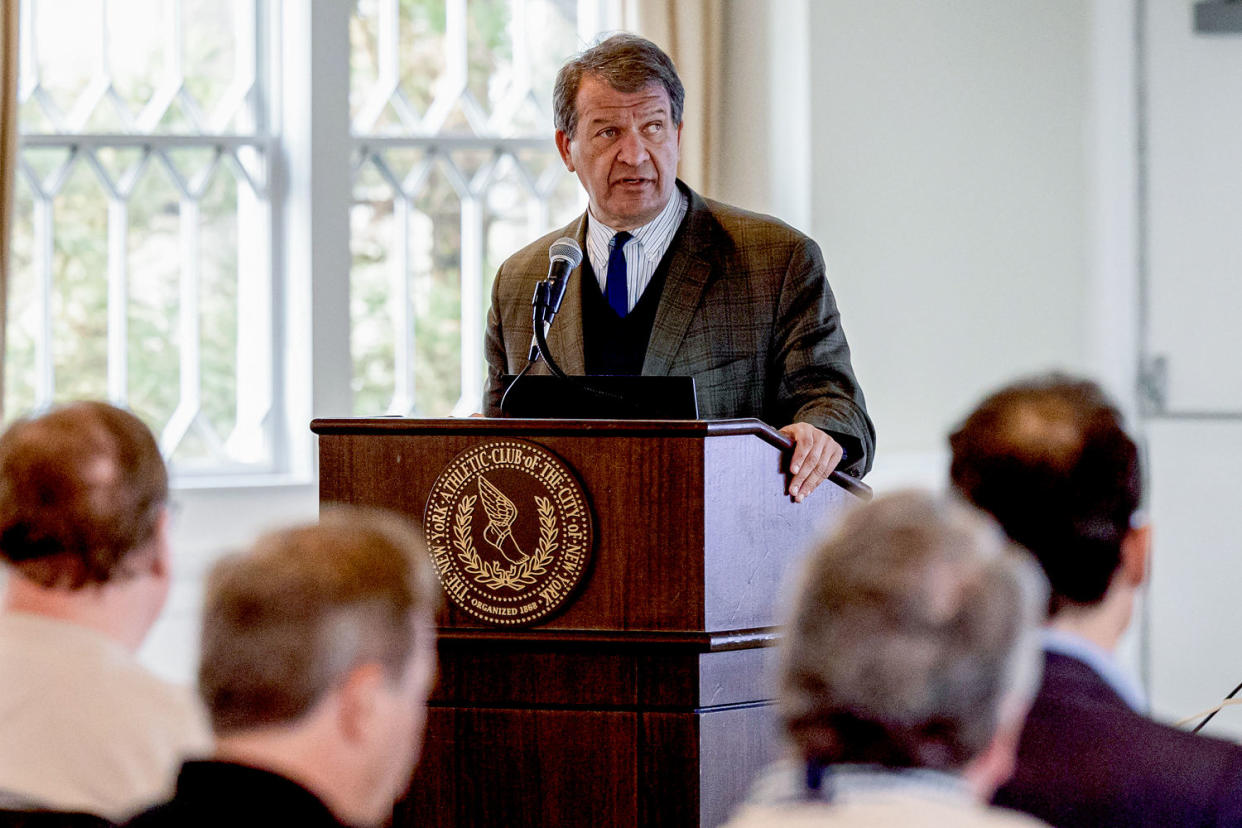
[{"x": 563, "y": 257}]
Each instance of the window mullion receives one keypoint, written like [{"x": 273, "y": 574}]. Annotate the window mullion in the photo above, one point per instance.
[{"x": 315, "y": 130}]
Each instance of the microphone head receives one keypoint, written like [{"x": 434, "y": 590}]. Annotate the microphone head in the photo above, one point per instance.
[{"x": 566, "y": 249}]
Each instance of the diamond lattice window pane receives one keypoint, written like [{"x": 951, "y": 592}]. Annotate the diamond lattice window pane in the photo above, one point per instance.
[
  {"x": 373, "y": 236},
  {"x": 79, "y": 295},
  {"x": 490, "y": 73},
  {"x": 551, "y": 36},
  {"x": 214, "y": 77},
  {"x": 435, "y": 258},
  {"x": 119, "y": 163},
  {"x": 218, "y": 275},
  {"x": 140, "y": 52},
  {"x": 397, "y": 62},
  {"x": 68, "y": 57},
  {"x": 154, "y": 256},
  {"x": 47, "y": 164},
  {"x": 512, "y": 220},
  {"x": 422, "y": 51},
  {"x": 22, "y": 303}
]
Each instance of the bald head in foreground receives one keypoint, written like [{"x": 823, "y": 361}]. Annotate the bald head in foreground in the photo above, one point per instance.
[
  {"x": 906, "y": 670},
  {"x": 84, "y": 541},
  {"x": 318, "y": 656},
  {"x": 1050, "y": 459}
]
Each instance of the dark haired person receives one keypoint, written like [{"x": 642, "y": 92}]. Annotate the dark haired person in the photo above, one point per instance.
[
  {"x": 318, "y": 654},
  {"x": 84, "y": 539},
  {"x": 907, "y": 666},
  {"x": 675, "y": 284},
  {"x": 1049, "y": 458}
]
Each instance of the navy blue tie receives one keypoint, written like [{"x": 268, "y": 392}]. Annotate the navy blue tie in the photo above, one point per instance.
[{"x": 615, "y": 286}]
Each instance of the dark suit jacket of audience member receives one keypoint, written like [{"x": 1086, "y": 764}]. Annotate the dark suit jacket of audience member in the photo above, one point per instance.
[
  {"x": 1086, "y": 759},
  {"x": 225, "y": 795}
]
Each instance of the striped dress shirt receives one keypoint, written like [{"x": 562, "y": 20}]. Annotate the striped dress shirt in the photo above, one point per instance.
[{"x": 643, "y": 252}]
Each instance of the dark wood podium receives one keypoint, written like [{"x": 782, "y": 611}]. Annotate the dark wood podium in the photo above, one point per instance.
[{"x": 643, "y": 701}]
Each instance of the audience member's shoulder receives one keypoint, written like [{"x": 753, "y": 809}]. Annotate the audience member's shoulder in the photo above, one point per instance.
[
  {"x": 1091, "y": 761},
  {"x": 1142, "y": 736}
]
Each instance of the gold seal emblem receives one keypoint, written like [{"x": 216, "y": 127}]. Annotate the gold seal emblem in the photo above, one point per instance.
[{"x": 509, "y": 531}]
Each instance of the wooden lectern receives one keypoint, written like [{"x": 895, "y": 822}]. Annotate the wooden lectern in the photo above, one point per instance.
[{"x": 643, "y": 699}]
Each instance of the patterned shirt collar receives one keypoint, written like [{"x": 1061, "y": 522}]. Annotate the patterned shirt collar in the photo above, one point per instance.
[{"x": 653, "y": 238}]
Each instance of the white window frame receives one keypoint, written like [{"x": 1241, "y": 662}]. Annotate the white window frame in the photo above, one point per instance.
[
  {"x": 305, "y": 130},
  {"x": 593, "y": 15},
  {"x": 259, "y": 407}
]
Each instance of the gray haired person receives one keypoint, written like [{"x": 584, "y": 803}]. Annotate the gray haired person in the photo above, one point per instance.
[
  {"x": 318, "y": 655},
  {"x": 907, "y": 669}
]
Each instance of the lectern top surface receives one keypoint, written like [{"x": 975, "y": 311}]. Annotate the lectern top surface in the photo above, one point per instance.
[{"x": 513, "y": 427}]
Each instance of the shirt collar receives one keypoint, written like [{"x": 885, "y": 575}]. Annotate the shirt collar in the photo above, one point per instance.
[
  {"x": 653, "y": 237},
  {"x": 1101, "y": 661},
  {"x": 784, "y": 782}
]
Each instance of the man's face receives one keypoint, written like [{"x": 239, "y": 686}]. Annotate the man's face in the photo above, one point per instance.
[{"x": 624, "y": 150}]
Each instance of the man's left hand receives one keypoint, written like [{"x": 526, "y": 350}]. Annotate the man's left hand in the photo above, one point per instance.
[{"x": 815, "y": 455}]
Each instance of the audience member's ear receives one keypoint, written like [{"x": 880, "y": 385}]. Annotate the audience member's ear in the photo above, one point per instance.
[
  {"x": 359, "y": 711},
  {"x": 161, "y": 565},
  {"x": 995, "y": 765},
  {"x": 1136, "y": 554}
]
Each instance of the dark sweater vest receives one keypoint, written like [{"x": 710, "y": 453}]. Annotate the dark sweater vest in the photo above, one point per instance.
[{"x": 610, "y": 344}]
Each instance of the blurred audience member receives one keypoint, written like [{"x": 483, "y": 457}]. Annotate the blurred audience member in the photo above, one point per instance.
[
  {"x": 907, "y": 667},
  {"x": 84, "y": 539},
  {"x": 1050, "y": 460},
  {"x": 318, "y": 654}
]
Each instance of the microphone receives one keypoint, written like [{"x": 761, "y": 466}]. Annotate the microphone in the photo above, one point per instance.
[{"x": 564, "y": 255}]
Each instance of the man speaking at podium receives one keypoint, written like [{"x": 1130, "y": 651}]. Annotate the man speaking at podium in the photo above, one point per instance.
[{"x": 676, "y": 284}]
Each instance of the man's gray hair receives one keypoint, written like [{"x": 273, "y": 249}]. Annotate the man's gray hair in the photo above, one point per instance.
[
  {"x": 914, "y": 628},
  {"x": 627, "y": 63},
  {"x": 285, "y": 621}
]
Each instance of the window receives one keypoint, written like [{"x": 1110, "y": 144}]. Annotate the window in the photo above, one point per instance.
[
  {"x": 142, "y": 235},
  {"x": 155, "y": 193},
  {"x": 454, "y": 169}
]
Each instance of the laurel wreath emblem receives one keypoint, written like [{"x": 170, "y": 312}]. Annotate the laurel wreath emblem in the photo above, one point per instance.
[{"x": 492, "y": 574}]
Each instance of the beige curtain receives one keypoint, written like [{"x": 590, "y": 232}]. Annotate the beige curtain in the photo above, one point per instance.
[
  {"x": 8, "y": 157},
  {"x": 692, "y": 33}
]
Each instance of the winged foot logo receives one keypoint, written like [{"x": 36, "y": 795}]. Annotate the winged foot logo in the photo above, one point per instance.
[{"x": 509, "y": 530}]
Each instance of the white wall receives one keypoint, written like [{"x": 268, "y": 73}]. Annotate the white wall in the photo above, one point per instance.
[
  {"x": 941, "y": 151},
  {"x": 1194, "y": 212},
  {"x": 976, "y": 185},
  {"x": 949, "y": 197},
  {"x": 208, "y": 523}
]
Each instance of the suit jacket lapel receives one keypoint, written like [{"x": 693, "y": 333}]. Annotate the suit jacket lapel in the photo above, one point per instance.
[
  {"x": 565, "y": 335},
  {"x": 688, "y": 274}
]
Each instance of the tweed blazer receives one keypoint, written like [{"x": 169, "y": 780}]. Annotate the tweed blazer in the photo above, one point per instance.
[
  {"x": 746, "y": 310},
  {"x": 1086, "y": 760}
]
